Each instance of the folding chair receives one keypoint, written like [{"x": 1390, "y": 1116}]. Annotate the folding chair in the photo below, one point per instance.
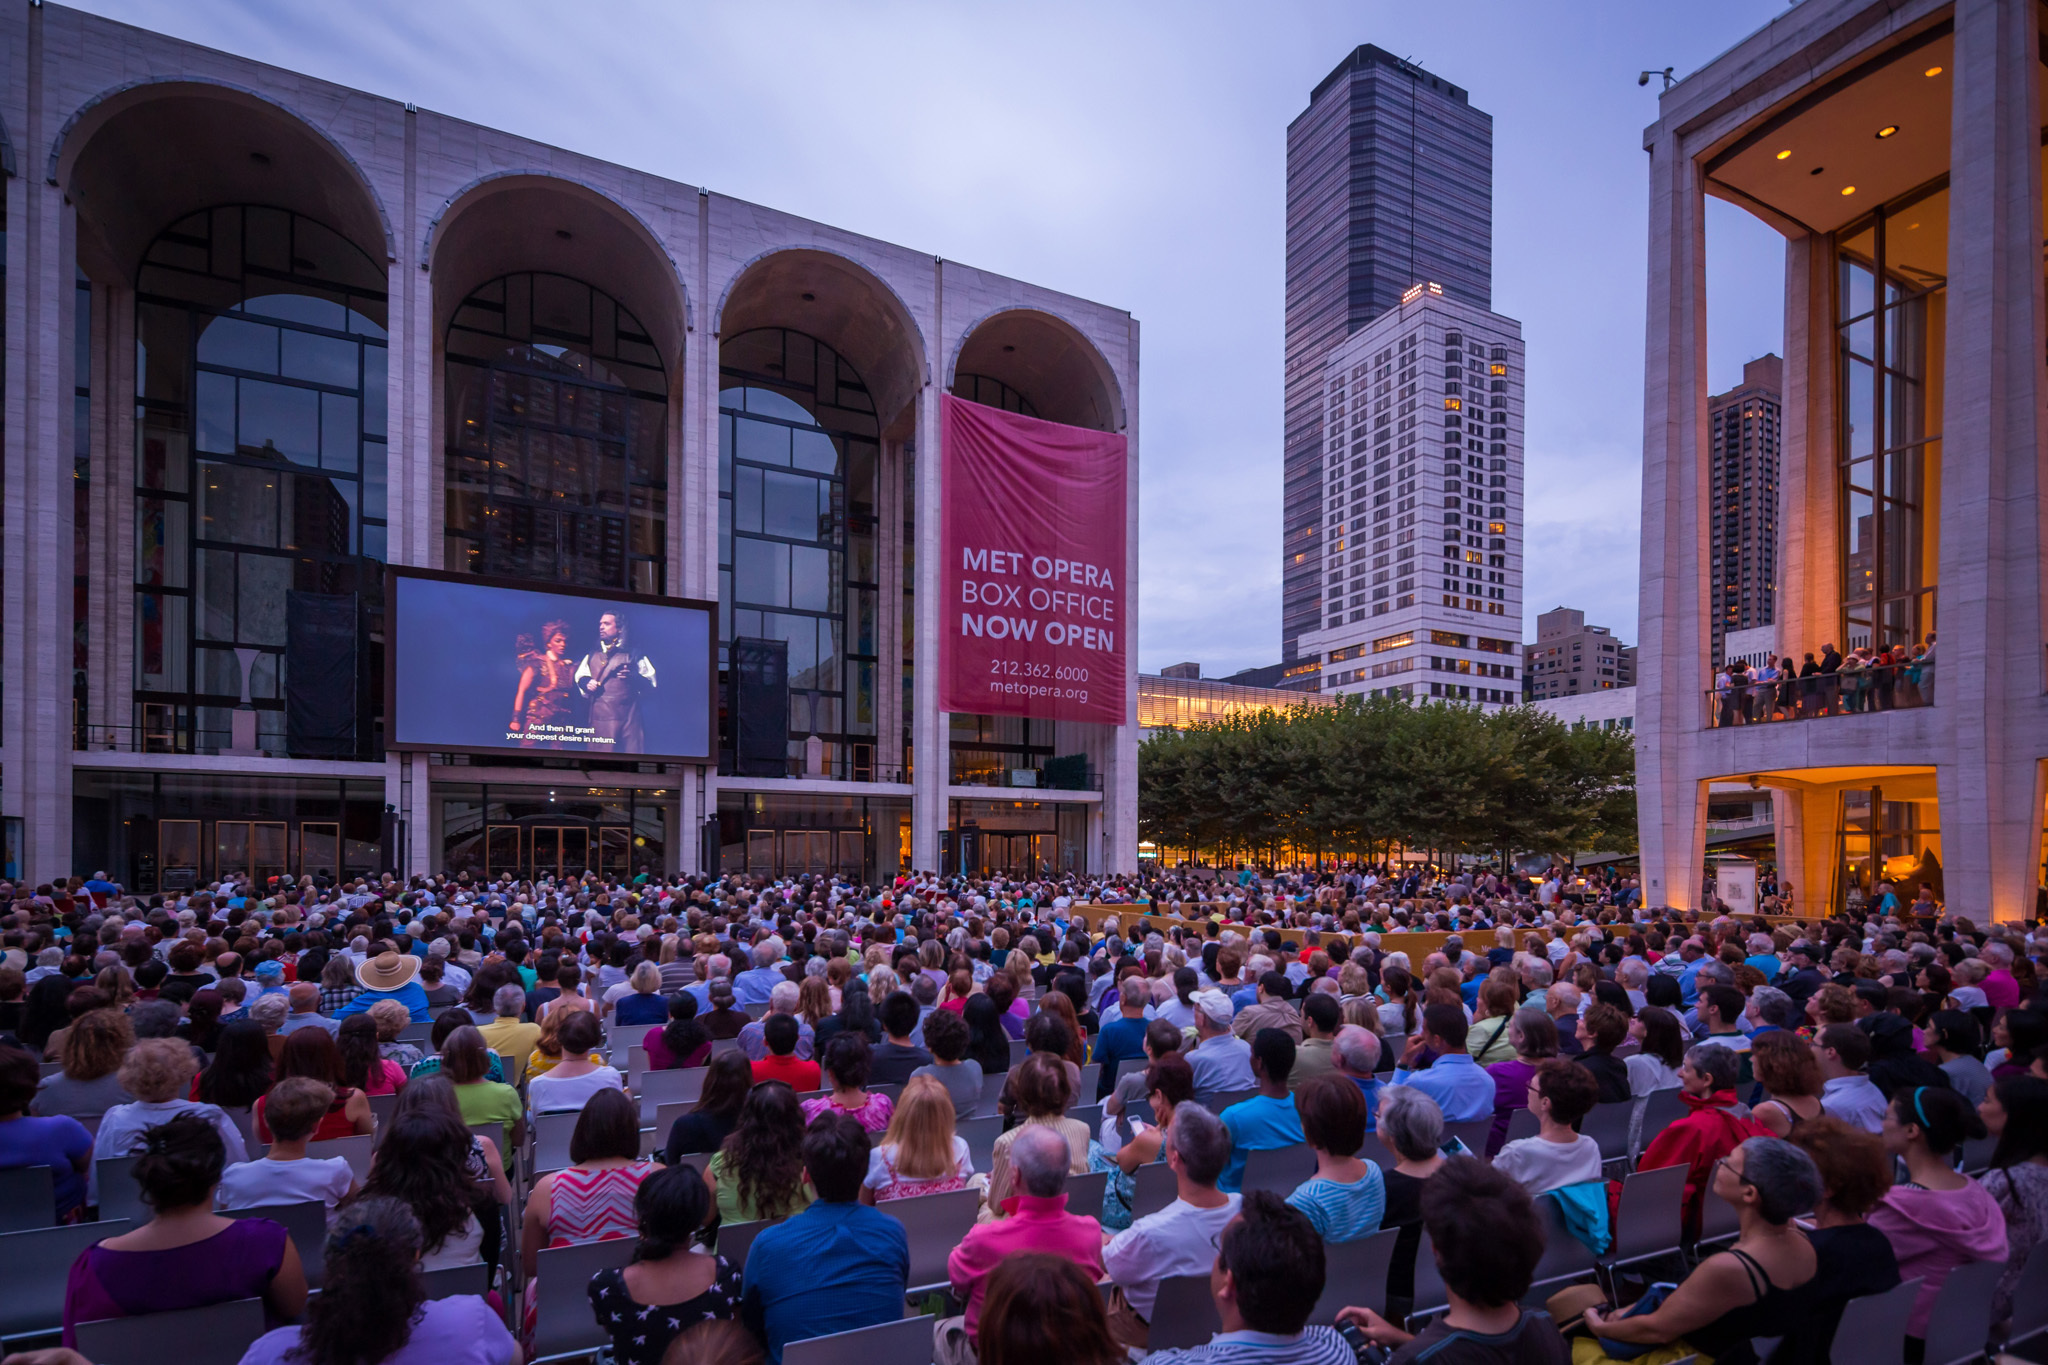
[
  {"x": 907, "y": 1341},
  {"x": 1664, "y": 1108},
  {"x": 1474, "y": 1133},
  {"x": 306, "y": 1222},
  {"x": 894, "y": 1092},
  {"x": 1157, "y": 1188},
  {"x": 1279, "y": 1169},
  {"x": 679, "y": 1086},
  {"x": 934, "y": 1225},
  {"x": 417, "y": 1033},
  {"x": 735, "y": 1240},
  {"x": 991, "y": 1092},
  {"x": 381, "y": 1109},
  {"x": 1565, "y": 1258},
  {"x": 1649, "y": 1223},
  {"x": 1430, "y": 1297},
  {"x": 1084, "y": 1089},
  {"x": 2030, "y": 1298},
  {"x": 623, "y": 1037},
  {"x": 1085, "y": 1193},
  {"x": 721, "y": 1046},
  {"x": 1718, "y": 1223},
  {"x": 1184, "y": 1314},
  {"x": 1523, "y": 1123},
  {"x": 1090, "y": 1114},
  {"x": 564, "y": 1326},
  {"x": 218, "y": 1334},
  {"x": 35, "y": 1267},
  {"x": 1223, "y": 1099},
  {"x": 1873, "y": 1328},
  {"x": 28, "y": 1199},
  {"x": 1390, "y": 1051},
  {"x": 551, "y": 1134},
  {"x": 1355, "y": 1275},
  {"x": 1018, "y": 1051},
  {"x": 354, "y": 1149},
  {"x": 1377, "y": 1152},
  {"x": 450, "y": 1281},
  {"x": 1608, "y": 1125},
  {"x": 1960, "y": 1324},
  {"x": 120, "y": 1196},
  {"x": 636, "y": 1064},
  {"x": 981, "y": 1135},
  {"x": 1976, "y": 1154}
]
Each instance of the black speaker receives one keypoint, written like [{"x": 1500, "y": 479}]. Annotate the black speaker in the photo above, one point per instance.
[
  {"x": 320, "y": 674},
  {"x": 390, "y": 843}
]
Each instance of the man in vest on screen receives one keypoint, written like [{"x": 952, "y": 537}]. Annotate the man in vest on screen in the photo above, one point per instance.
[{"x": 612, "y": 676}]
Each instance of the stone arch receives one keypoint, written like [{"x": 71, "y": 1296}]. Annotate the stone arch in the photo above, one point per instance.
[
  {"x": 1047, "y": 360},
  {"x": 140, "y": 156},
  {"x": 842, "y": 303}
]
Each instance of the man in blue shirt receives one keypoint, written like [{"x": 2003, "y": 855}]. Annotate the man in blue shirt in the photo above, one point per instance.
[
  {"x": 837, "y": 1265},
  {"x": 751, "y": 987},
  {"x": 1268, "y": 1119},
  {"x": 1124, "y": 1036},
  {"x": 1460, "y": 1086}
]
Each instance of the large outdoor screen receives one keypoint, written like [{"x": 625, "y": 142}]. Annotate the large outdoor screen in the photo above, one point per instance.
[{"x": 477, "y": 664}]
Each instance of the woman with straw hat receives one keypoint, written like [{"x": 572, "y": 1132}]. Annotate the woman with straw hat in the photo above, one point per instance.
[{"x": 389, "y": 976}]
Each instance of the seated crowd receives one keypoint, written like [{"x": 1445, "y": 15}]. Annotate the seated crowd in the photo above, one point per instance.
[{"x": 1850, "y": 1111}]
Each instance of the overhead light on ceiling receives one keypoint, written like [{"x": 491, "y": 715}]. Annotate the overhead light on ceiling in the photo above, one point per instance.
[
  {"x": 563, "y": 233},
  {"x": 1848, "y": 189},
  {"x": 809, "y": 297},
  {"x": 1816, "y": 170},
  {"x": 1784, "y": 155},
  {"x": 1932, "y": 71},
  {"x": 1888, "y": 130}
]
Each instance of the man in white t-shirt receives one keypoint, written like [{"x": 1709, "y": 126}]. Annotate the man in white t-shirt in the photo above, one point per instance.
[
  {"x": 1180, "y": 1239},
  {"x": 286, "y": 1175}
]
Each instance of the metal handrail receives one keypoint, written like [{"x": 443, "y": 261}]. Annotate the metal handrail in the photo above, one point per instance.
[{"x": 1885, "y": 687}]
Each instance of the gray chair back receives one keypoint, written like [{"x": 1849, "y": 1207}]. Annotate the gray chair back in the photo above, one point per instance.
[
  {"x": 1279, "y": 1169},
  {"x": 452, "y": 1280},
  {"x": 1430, "y": 1298},
  {"x": 907, "y": 1341},
  {"x": 1085, "y": 1193},
  {"x": 1184, "y": 1314},
  {"x": 1719, "y": 1222},
  {"x": 1976, "y": 1154},
  {"x": 35, "y": 1267},
  {"x": 1873, "y": 1328},
  {"x": 721, "y": 1046},
  {"x": 1608, "y": 1125},
  {"x": 1378, "y": 1153},
  {"x": 1523, "y": 1123},
  {"x": 934, "y": 1225},
  {"x": 992, "y": 1084},
  {"x": 417, "y": 1034},
  {"x": 28, "y": 1199},
  {"x": 1156, "y": 1188},
  {"x": 1663, "y": 1108},
  {"x": 381, "y": 1109},
  {"x": 735, "y": 1240},
  {"x": 1084, "y": 1089},
  {"x": 1649, "y": 1222},
  {"x": 218, "y": 1334},
  {"x": 1355, "y": 1275},
  {"x": 1089, "y": 1114},
  {"x": 551, "y": 1134},
  {"x": 683, "y": 1085},
  {"x": 306, "y": 1222},
  {"x": 1474, "y": 1133},
  {"x": 980, "y": 1135},
  {"x": 354, "y": 1149},
  {"x": 563, "y": 1325},
  {"x": 1565, "y": 1258},
  {"x": 1018, "y": 1051},
  {"x": 621, "y": 1037},
  {"x": 120, "y": 1196},
  {"x": 1390, "y": 1051},
  {"x": 2030, "y": 1298},
  {"x": 1221, "y": 1100},
  {"x": 1960, "y": 1325}
]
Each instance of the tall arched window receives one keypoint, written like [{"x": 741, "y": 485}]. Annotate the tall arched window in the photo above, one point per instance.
[
  {"x": 994, "y": 393},
  {"x": 557, "y": 437},
  {"x": 260, "y": 484},
  {"x": 798, "y": 447}
]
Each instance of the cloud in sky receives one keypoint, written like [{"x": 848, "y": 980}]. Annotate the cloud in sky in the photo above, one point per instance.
[{"x": 1132, "y": 154}]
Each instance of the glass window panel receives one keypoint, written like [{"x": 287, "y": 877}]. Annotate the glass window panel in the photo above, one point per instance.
[
  {"x": 810, "y": 579},
  {"x": 747, "y": 500},
  {"x": 163, "y": 352},
  {"x": 260, "y": 600},
  {"x": 1901, "y": 557},
  {"x": 321, "y": 359},
  {"x": 802, "y": 634},
  {"x": 831, "y": 639},
  {"x": 725, "y": 421},
  {"x": 725, "y": 530},
  {"x": 319, "y": 514},
  {"x": 280, "y": 418},
  {"x": 263, "y": 677},
  {"x": 375, "y": 379},
  {"x": 816, "y": 451},
  {"x": 338, "y": 439},
  {"x": 213, "y": 588},
  {"x": 746, "y": 624},
  {"x": 1902, "y": 474},
  {"x": 1861, "y": 543},
  {"x": 161, "y": 542},
  {"x": 1861, "y": 338},
  {"x": 162, "y": 624},
  {"x": 769, "y": 403},
  {"x": 315, "y": 309},
  {"x": 790, "y": 506},
  {"x": 374, "y": 458},
  {"x": 763, "y": 442},
  {"x": 1857, "y": 412},
  {"x": 1858, "y": 254},
  {"x": 373, "y": 543},
  {"x": 220, "y": 672},
  {"x": 761, "y": 572},
  {"x": 216, "y": 415},
  {"x": 238, "y": 344},
  {"x": 238, "y": 504}
]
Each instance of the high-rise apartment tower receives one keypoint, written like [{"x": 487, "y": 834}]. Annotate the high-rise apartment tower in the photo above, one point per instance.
[
  {"x": 1389, "y": 184},
  {"x": 1745, "y": 431}
]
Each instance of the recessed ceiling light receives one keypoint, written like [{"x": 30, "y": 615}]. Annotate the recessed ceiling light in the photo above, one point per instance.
[
  {"x": 1784, "y": 155},
  {"x": 1848, "y": 189},
  {"x": 1888, "y": 130},
  {"x": 1932, "y": 71},
  {"x": 1911, "y": 226}
]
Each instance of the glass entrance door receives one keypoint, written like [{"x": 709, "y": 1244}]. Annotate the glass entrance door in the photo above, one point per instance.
[
  {"x": 502, "y": 852},
  {"x": 560, "y": 851},
  {"x": 177, "y": 854},
  {"x": 320, "y": 850},
  {"x": 614, "y": 850},
  {"x": 259, "y": 848}
]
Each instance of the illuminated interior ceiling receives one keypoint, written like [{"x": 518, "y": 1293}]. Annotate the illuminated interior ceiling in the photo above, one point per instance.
[
  {"x": 1900, "y": 782},
  {"x": 1824, "y": 158}
]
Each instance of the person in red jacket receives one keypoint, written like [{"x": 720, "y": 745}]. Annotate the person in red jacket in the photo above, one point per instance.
[
  {"x": 1710, "y": 1130},
  {"x": 780, "y": 1032}
]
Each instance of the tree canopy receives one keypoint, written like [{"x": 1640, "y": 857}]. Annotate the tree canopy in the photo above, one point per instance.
[{"x": 1370, "y": 773}]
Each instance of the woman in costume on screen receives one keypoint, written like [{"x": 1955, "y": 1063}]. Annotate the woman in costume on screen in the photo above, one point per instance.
[{"x": 546, "y": 682}]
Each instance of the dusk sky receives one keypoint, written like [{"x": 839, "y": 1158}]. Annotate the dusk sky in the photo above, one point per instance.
[{"x": 1135, "y": 155}]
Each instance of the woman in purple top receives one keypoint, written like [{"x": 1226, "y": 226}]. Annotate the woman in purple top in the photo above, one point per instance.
[
  {"x": 1533, "y": 1034},
  {"x": 373, "y": 1310},
  {"x": 185, "y": 1256}
]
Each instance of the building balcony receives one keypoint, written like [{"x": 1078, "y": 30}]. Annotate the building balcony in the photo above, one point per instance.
[{"x": 1892, "y": 687}]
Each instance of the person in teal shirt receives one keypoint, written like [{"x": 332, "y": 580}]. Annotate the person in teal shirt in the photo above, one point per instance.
[{"x": 1268, "y": 1119}]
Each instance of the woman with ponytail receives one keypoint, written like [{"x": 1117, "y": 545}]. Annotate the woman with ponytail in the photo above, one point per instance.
[
  {"x": 373, "y": 1310},
  {"x": 669, "y": 1287}
]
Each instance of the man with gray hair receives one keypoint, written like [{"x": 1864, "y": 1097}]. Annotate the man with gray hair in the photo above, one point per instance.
[
  {"x": 782, "y": 1000},
  {"x": 753, "y": 986},
  {"x": 508, "y": 1035},
  {"x": 1180, "y": 1239},
  {"x": 1035, "y": 1219},
  {"x": 1221, "y": 1061},
  {"x": 1356, "y": 1052},
  {"x": 304, "y": 1001}
]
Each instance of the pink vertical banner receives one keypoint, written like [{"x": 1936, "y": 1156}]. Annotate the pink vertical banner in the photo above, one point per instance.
[{"x": 1032, "y": 545}]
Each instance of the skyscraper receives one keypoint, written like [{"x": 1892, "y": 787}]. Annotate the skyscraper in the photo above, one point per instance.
[
  {"x": 1389, "y": 184},
  {"x": 1745, "y": 431}
]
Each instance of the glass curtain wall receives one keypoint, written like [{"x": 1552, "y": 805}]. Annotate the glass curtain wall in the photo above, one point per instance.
[
  {"x": 557, "y": 437},
  {"x": 798, "y": 449},
  {"x": 1884, "y": 839},
  {"x": 259, "y": 475},
  {"x": 1891, "y": 300}
]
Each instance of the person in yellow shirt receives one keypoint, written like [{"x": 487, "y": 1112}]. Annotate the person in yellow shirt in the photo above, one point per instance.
[{"x": 508, "y": 1035}]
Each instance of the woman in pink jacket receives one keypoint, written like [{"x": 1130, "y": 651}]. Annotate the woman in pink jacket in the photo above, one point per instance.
[{"x": 1938, "y": 1218}]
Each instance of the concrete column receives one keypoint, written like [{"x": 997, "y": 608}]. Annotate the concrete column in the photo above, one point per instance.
[
  {"x": 1991, "y": 597},
  {"x": 1670, "y": 673},
  {"x": 1120, "y": 778},
  {"x": 932, "y": 760},
  {"x": 422, "y": 820},
  {"x": 1809, "y": 550},
  {"x": 889, "y": 611},
  {"x": 113, "y": 497}
]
